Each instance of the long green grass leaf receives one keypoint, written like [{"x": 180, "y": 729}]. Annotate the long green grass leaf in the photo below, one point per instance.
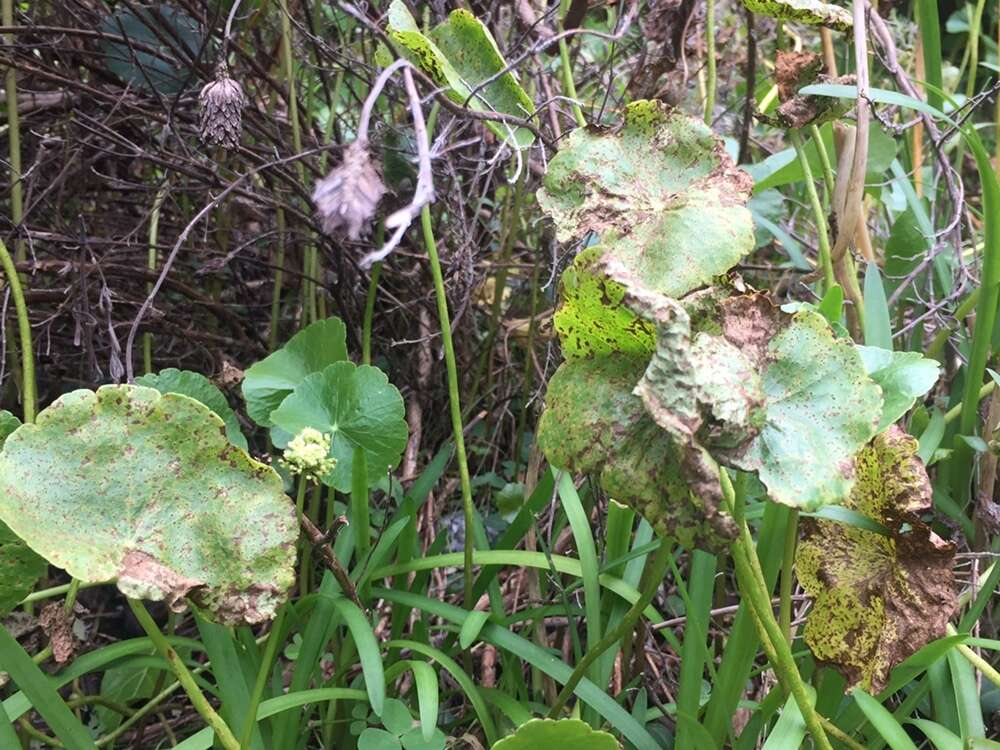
[
  {"x": 883, "y": 722},
  {"x": 42, "y": 694},
  {"x": 368, "y": 650}
]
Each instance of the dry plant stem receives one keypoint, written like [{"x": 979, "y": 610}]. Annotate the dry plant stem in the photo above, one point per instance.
[
  {"x": 843, "y": 265},
  {"x": 752, "y": 586},
  {"x": 24, "y": 333},
  {"x": 847, "y": 221},
  {"x": 168, "y": 263},
  {"x": 423, "y": 193},
  {"x": 657, "y": 568},
  {"x": 322, "y": 546},
  {"x": 198, "y": 699}
]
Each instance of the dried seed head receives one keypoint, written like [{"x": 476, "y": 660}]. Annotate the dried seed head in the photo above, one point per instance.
[
  {"x": 222, "y": 103},
  {"x": 346, "y": 198}
]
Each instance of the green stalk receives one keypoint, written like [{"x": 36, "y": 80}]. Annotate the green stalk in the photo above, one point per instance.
[
  {"x": 14, "y": 138},
  {"x": 788, "y": 575},
  {"x": 151, "y": 258},
  {"x": 930, "y": 35},
  {"x": 454, "y": 401},
  {"x": 657, "y": 569},
  {"x": 222, "y": 732},
  {"x": 279, "y": 278},
  {"x": 752, "y": 586},
  {"x": 986, "y": 312},
  {"x": 366, "y": 331},
  {"x": 28, "y": 399},
  {"x": 310, "y": 262},
  {"x": 973, "y": 49},
  {"x": 366, "y": 328},
  {"x": 270, "y": 649},
  {"x": 825, "y": 256},
  {"x": 709, "y": 61},
  {"x": 567, "y": 72}
]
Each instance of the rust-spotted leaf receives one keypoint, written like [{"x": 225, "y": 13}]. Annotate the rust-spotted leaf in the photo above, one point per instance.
[
  {"x": 664, "y": 198},
  {"x": 809, "y": 12},
  {"x": 149, "y": 492},
  {"x": 877, "y": 598},
  {"x": 773, "y": 393},
  {"x": 594, "y": 424}
]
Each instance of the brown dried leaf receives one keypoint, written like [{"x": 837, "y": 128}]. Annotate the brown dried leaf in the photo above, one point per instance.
[{"x": 877, "y": 599}]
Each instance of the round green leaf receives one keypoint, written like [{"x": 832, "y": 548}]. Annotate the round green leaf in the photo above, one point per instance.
[
  {"x": 774, "y": 393},
  {"x": 665, "y": 200},
  {"x": 414, "y": 740},
  {"x": 148, "y": 492},
  {"x": 358, "y": 408},
  {"x": 903, "y": 376},
  {"x": 197, "y": 386},
  {"x": 268, "y": 382},
  {"x": 8, "y": 423},
  {"x": 396, "y": 717},
  {"x": 557, "y": 734},
  {"x": 378, "y": 739}
]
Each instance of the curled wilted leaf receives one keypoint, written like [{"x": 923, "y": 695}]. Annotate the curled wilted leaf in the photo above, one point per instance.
[
  {"x": 150, "y": 493},
  {"x": 594, "y": 424},
  {"x": 663, "y": 196},
  {"x": 462, "y": 55},
  {"x": 222, "y": 103},
  {"x": 773, "y": 393},
  {"x": 346, "y": 198},
  {"x": 794, "y": 70},
  {"x": 877, "y": 598},
  {"x": 809, "y": 12}
]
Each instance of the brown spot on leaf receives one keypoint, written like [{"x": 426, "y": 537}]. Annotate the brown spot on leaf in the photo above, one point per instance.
[{"x": 142, "y": 576}]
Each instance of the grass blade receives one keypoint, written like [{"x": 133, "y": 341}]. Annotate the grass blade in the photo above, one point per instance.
[
  {"x": 368, "y": 650},
  {"x": 883, "y": 721},
  {"x": 42, "y": 694}
]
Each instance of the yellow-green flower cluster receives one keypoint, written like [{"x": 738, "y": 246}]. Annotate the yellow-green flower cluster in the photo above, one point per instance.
[{"x": 308, "y": 454}]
